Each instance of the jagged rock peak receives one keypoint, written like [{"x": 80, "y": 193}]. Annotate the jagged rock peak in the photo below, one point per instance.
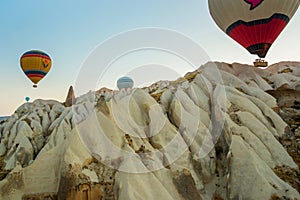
[{"x": 70, "y": 100}]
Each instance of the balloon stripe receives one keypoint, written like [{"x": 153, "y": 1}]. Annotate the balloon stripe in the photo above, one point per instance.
[
  {"x": 276, "y": 25},
  {"x": 35, "y": 72},
  {"x": 257, "y": 22},
  {"x": 260, "y": 49},
  {"x": 35, "y": 75},
  {"x": 36, "y": 52},
  {"x": 273, "y": 29},
  {"x": 36, "y": 55}
]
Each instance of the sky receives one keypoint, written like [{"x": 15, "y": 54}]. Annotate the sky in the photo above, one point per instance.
[{"x": 70, "y": 31}]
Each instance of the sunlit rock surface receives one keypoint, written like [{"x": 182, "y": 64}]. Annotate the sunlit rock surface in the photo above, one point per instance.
[{"x": 225, "y": 131}]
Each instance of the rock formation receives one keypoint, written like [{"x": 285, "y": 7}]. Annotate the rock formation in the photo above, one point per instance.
[
  {"x": 225, "y": 131},
  {"x": 70, "y": 100}
]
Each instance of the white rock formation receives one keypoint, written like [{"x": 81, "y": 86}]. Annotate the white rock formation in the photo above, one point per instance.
[{"x": 215, "y": 133}]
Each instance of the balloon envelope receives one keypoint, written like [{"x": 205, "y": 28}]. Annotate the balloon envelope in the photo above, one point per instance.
[
  {"x": 27, "y": 99},
  {"x": 35, "y": 64},
  {"x": 254, "y": 24},
  {"x": 124, "y": 82}
]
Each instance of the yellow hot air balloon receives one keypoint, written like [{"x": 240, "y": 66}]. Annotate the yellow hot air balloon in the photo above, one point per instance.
[
  {"x": 35, "y": 64},
  {"x": 254, "y": 24}
]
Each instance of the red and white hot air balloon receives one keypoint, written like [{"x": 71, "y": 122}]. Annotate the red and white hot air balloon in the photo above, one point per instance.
[{"x": 254, "y": 24}]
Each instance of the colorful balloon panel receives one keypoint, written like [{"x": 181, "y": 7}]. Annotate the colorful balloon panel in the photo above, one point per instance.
[
  {"x": 35, "y": 64},
  {"x": 254, "y": 24}
]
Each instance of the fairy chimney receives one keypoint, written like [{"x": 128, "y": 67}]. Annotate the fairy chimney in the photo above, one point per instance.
[{"x": 70, "y": 100}]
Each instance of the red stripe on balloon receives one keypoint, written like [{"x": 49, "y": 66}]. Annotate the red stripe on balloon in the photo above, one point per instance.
[
  {"x": 271, "y": 31},
  {"x": 35, "y": 75},
  {"x": 36, "y": 55}
]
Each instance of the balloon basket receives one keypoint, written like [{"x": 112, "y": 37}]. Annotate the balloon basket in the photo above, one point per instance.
[
  {"x": 35, "y": 86},
  {"x": 260, "y": 63}
]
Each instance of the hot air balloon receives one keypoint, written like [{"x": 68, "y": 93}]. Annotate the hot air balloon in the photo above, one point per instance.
[
  {"x": 254, "y": 24},
  {"x": 124, "y": 82},
  {"x": 27, "y": 99},
  {"x": 35, "y": 64}
]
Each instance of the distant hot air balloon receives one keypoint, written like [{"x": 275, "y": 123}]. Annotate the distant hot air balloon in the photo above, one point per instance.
[
  {"x": 27, "y": 99},
  {"x": 35, "y": 64},
  {"x": 254, "y": 24},
  {"x": 124, "y": 82}
]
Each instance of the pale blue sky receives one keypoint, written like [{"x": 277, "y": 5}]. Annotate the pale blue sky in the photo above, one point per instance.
[{"x": 68, "y": 30}]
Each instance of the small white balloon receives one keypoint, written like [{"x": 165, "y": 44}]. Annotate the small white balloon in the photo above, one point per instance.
[{"x": 125, "y": 82}]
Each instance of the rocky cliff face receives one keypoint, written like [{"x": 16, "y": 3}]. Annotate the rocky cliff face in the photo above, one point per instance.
[{"x": 225, "y": 131}]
